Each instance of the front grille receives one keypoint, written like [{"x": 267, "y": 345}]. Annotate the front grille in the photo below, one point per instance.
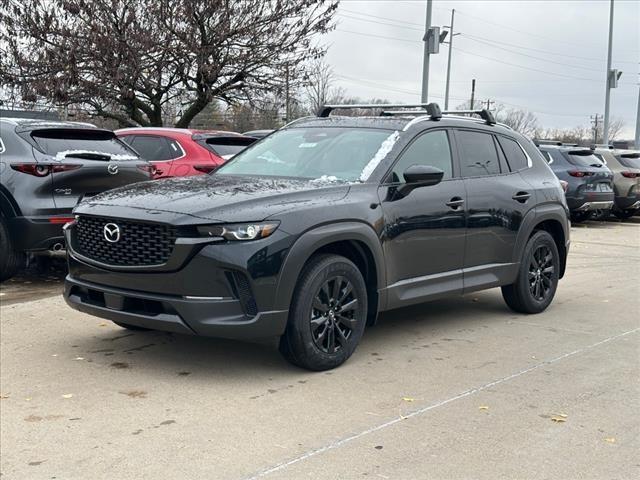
[{"x": 139, "y": 243}]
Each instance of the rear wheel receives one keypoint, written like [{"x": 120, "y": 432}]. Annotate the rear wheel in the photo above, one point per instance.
[
  {"x": 624, "y": 214},
  {"x": 131, "y": 327},
  {"x": 577, "y": 217},
  {"x": 537, "y": 280},
  {"x": 328, "y": 314},
  {"x": 10, "y": 260}
]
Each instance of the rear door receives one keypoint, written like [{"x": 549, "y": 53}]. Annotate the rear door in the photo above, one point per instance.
[
  {"x": 497, "y": 201},
  {"x": 85, "y": 162}
]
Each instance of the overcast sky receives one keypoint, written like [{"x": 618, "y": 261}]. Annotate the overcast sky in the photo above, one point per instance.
[{"x": 546, "y": 56}]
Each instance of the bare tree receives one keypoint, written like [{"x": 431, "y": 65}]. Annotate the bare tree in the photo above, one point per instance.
[
  {"x": 320, "y": 88},
  {"x": 127, "y": 59}
]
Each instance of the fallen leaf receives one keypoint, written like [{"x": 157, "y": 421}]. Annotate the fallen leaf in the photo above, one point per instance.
[
  {"x": 67, "y": 395},
  {"x": 408, "y": 399},
  {"x": 54, "y": 355},
  {"x": 558, "y": 419},
  {"x": 610, "y": 440},
  {"x": 79, "y": 358},
  {"x": 102, "y": 325},
  {"x": 483, "y": 407},
  {"x": 3, "y": 397}
]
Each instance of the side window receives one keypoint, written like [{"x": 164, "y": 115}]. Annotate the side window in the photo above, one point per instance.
[
  {"x": 152, "y": 148},
  {"x": 175, "y": 148},
  {"x": 128, "y": 139},
  {"x": 547, "y": 156},
  {"x": 479, "y": 156},
  {"x": 516, "y": 158},
  {"x": 431, "y": 148}
]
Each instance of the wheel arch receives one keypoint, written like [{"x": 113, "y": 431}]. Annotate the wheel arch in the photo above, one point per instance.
[
  {"x": 552, "y": 218},
  {"x": 8, "y": 206},
  {"x": 356, "y": 241}
]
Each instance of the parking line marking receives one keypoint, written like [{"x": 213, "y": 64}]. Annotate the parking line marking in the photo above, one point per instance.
[{"x": 420, "y": 411}]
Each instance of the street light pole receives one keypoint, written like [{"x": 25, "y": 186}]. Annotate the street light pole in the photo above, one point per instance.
[
  {"x": 446, "y": 92},
  {"x": 605, "y": 135},
  {"x": 425, "y": 62}
]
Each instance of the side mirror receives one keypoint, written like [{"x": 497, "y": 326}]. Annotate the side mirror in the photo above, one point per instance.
[
  {"x": 422, "y": 175},
  {"x": 417, "y": 176}
]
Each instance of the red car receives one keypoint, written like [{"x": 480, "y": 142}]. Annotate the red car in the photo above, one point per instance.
[{"x": 180, "y": 152}]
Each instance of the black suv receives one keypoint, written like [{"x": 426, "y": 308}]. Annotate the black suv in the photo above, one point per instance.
[
  {"x": 311, "y": 232},
  {"x": 46, "y": 168}
]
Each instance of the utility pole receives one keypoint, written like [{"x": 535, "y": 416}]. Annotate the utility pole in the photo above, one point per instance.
[
  {"x": 605, "y": 135},
  {"x": 595, "y": 120},
  {"x": 489, "y": 102},
  {"x": 427, "y": 52},
  {"x": 473, "y": 92},
  {"x": 451, "y": 34}
]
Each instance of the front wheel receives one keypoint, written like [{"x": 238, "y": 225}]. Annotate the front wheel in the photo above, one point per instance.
[
  {"x": 328, "y": 314},
  {"x": 538, "y": 276}
]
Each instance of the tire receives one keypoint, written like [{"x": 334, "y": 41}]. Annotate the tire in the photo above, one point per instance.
[
  {"x": 578, "y": 217},
  {"x": 537, "y": 280},
  {"x": 624, "y": 214},
  {"x": 131, "y": 327},
  {"x": 323, "y": 333},
  {"x": 10, "y": 260}
]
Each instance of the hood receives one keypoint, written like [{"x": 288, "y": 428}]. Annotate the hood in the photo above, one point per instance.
[{"x": 214, "y": 198}]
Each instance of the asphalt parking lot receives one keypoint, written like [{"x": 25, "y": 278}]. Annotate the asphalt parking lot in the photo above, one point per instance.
[{"x": 460, "y": 388}]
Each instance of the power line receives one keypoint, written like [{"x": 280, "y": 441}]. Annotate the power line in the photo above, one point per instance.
[
  {"x": 544, "y": 37},
  {"x": 404, "y": 23},
  {"x": 547, "y": 52},
  {"x": 379, "y": 23},
  {"x": 530, "y": 56},
  {"x": 526, "y": 68}
]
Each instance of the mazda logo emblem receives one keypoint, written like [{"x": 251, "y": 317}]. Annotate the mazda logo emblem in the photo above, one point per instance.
[
  {"x": 111, "y": 232},
  {"x": 112, "y": 168}
]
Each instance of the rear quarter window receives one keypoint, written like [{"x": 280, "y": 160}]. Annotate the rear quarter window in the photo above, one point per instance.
[{"x": 516, "y": 158}]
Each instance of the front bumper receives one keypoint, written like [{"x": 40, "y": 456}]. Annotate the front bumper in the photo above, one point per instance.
[
  {"x": 223, "y": 289},
  {"x": 208, "y": 316}
]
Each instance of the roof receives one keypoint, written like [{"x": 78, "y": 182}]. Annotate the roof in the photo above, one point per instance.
[
  {"x": 389, "y": 122},
  {"x": 180, "y": 131},
  {"x": 24, "y": 124}
]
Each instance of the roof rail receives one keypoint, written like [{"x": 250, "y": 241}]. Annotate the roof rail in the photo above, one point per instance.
[
  {"x": 593, "y": 146},
  {"x": 431, "y": 109}
]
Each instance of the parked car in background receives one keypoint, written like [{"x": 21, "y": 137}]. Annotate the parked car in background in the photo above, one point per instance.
[
  {"x": 258, "y": 133},
  {"x": 179, "y": 152},
  {"x": 46, "y": 169},
  {"x": 590, "y": 183},
  {"x": 313, "y": 231},
  {"x": 625, "y": 165}
]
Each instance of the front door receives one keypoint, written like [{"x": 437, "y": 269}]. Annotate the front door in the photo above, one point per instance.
[
  {"x": 424, "y": 233},
  {"x": 497, "y": 201}
]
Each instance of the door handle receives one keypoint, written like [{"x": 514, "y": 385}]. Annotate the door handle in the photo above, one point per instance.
[
  {"x": 455, "y": 202},
  {"x": 522, "y": 197}
]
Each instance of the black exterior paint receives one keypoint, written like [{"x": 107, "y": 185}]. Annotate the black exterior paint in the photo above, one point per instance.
[{"x": 413, "y": 246}]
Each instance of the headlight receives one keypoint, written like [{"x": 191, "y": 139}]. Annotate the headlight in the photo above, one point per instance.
[{"x": 240, "y": 231}]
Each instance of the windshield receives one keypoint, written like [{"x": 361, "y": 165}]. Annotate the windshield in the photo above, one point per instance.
[
  {"x": 630, "y": 160},
  {"x": 332, "y": 153},
  {"x": 67, "y": 141}
]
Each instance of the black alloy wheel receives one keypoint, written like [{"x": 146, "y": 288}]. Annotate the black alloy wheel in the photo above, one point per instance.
[{"x": 332, "y": 314}]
